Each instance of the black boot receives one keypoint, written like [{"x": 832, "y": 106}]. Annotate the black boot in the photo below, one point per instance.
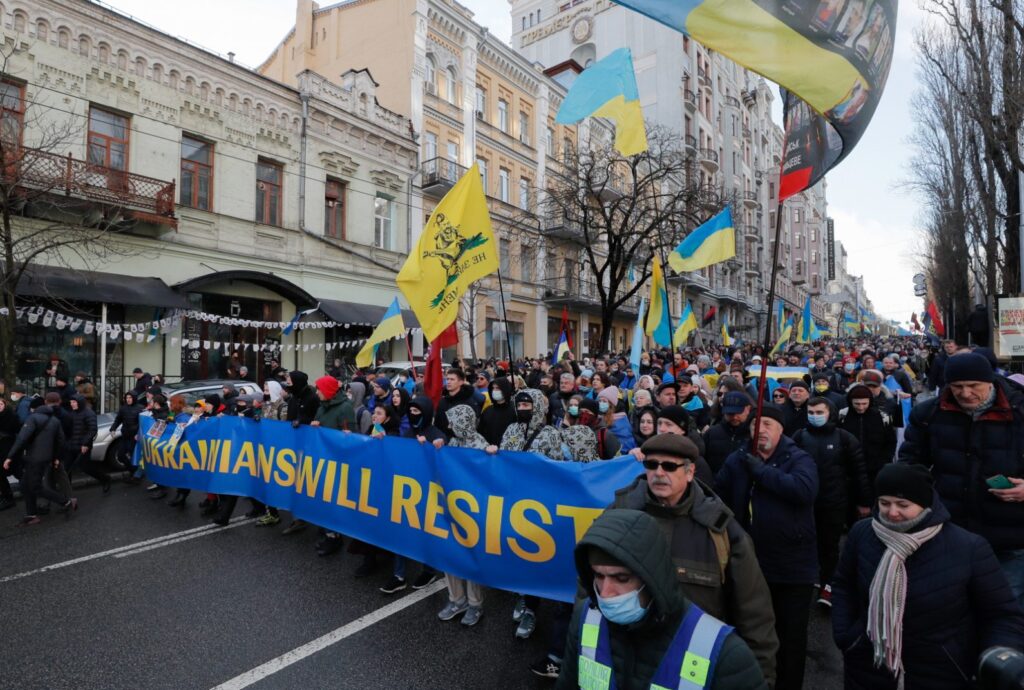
[
  {"x": 329, "y": 545},
  {"x": 178, "y": 502}
]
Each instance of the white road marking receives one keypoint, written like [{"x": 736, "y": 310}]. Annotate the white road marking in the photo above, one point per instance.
[
  {"x": 236, "y": 522},
  {"x": 138, "y": 547},
  {"x": 299, "y": 653}
]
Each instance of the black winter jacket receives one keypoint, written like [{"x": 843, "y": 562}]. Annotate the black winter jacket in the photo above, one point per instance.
[
  {"x": 41, "y": 437},
  {"x": 842, "y": 475},
  {"x": 634, "y": 539},
  {"x": 302, "y": 400},
  {"x": 80, "y": 425},
  {"x": 465, "y": 396},
  {"x": 722, "y": 440},
  {"x": 497, "y": 417},
  {"x": 773, "y": 501},
  {"x": 876, "y": 435},
  {"x": 963, "y": 452},
  {"x": 127, "y": 418},
  {"x": 426, "y": 429},
  {"x": 958, "y": 605},
  {"x": 796, "y": 418},
  {"x": 10, "y": 425}
]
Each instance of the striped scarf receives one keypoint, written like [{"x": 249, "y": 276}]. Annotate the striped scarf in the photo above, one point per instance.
[{"x": 888, "y": 596}]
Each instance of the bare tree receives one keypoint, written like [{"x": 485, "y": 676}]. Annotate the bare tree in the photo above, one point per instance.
[
  {"x": 617, "y": 213},
  {"x": 54, "y": 209}
]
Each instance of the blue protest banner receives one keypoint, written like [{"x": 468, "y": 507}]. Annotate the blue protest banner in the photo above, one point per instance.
[{"x": 508, "y": 521}]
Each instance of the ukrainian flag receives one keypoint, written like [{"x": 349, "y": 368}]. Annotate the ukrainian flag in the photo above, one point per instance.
[
  {"x": 608, "y": 89},
  {"x": 391, "y": 326},
  {"x": 560, "y": 349},
  {"x": 850, "y": 324},
  {"x": 687, "y": 324},
  {"x": 657, "y": 315},
  {"x": 808, "y": 328},
  {"x": 712, "y": 242},
  {"x": 780, "y": 317},
  {"x": 787, "y": 331},
  {"x": 777, "y": 373},
  {"x": 726, "y": 338}
]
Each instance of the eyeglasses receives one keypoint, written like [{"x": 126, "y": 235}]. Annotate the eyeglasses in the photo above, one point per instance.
[
  {"x": 778, "y": 396},
  {"x": 667, "y": 466}
]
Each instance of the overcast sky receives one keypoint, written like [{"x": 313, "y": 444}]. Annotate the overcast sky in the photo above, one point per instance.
[{"x": 875, "y": 218}]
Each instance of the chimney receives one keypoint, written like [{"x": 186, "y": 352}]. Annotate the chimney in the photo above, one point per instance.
[{"x": 231, "y": 56}]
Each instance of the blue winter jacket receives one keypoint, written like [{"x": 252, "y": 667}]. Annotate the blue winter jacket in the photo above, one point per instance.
[
  {"x": 958, "y": 605},
  {"x": 774, "y": 502},
  {"x": 624, "y": 432}
]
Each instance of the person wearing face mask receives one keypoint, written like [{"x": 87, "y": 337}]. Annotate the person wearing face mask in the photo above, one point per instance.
[
  {"x": 844, "y": 491},
  {"x": 917, "y": 599},
  {"x": 559, "y": 400},
  {"x": 586, "y": 412},
  {"x": 613, "y": 417},
  {"x": 846, "y": 375},
  {"x": 821, "y": 385},
  {"x": 21, "y": 401},
  {"x": 501, "y": 412},
  {"x": 635, "y": 627}
]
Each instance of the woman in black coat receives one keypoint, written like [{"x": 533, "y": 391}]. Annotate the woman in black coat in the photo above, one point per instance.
[
  {"x": 10, "y": 425},
  {"x": 957, "y": 602},
  {"x": 127, "y": 418}
]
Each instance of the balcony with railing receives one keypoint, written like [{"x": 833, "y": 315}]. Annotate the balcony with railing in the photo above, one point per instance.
[
  {"x": 559, "y": 225},
  {"x": 750, "y": 232},
  {"x": 576, "y": 293},
  {"x": 144, "y": 198},
  {"x": 691, "y": 143},
  {"x": 750, "y": 200},
  {"x": 732, "y": 102},
  {"x": 690, "y": 99},
  {"x": 752, "y": 267},
  {"x": 709, "y": 159},
  {"x": 439, "y": 175}
]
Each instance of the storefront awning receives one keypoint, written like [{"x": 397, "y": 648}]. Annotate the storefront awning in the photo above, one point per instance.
[
  {"x": 92, "y": 286},
  {"x": 351, "y": 312},
  {"x": 287, "y": 289}
]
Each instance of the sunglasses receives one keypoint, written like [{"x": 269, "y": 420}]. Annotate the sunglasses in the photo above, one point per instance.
[
  {"x": 778, "y": 396},
  {"x": 667, "y": 466}
]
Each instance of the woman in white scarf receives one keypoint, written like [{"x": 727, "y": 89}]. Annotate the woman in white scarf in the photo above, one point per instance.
[{"x": 916, "y": 599}]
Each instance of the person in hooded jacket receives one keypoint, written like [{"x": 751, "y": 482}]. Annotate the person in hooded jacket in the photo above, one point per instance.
[
  {"x": 10, "y": 425},
  {"x": 844, "y": 491},
  {"x": 584, "y": 411},
  {"x": 456, "y": 392},
  {"x": 127, "y": 419},
  {"x": 639, "y": 609},
  {"x": 821, "y": 387},
  {"x": 274, "y": 404},
  {"x": 732, "y": 432},
  {"x": 302, "y": 400},
  {"x": 80, "y": 431},
  {"x": 613, "y": 415},
  {"x": 500, "y": 413},
  {"x": 380, "y": 393},
  {"x": 42, "y": 440},
  {"x": 357, "y": 394},
  {"x": 646, "y": 424},
  {"x": 464, "y": 597},
  {"x": 530, "y": 433},
  {"x": 228, "y": 395},
  {"x": 872, "y": 427},
  {"x": 400, "y": 399},
  {"x": 916, "y": 598},
  {"x": 421, "y": 428}
]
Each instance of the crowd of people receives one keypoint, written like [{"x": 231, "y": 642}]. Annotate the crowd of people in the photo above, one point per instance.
[{"x": 752, "y": 503}]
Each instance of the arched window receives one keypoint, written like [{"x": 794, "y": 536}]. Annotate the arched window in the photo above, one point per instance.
[
  {"x": 158, "y": 73},
  {"x": 140, "y": 66},
  {"x": 103, "y": 53},
  {"x": 20, "y": 21},
  {"x": 42, "y": 30},
  {"x": 84, "y": 46},
  {"x": 63, "y": 37},
  {"x": 122, "y": 59},
  {"x": 453, "y": 86},
  {"x": 431, "y": 71}
]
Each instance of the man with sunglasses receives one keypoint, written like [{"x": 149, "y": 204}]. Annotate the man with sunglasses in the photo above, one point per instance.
[
  {"x": 714, "y": 557},
  {"x": 772, "y": 493}
]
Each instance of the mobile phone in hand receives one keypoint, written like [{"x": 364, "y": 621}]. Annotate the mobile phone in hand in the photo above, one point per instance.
[{"x": 999, "y": 482}]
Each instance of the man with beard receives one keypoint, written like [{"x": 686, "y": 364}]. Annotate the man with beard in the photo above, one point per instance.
[{"x": 559, "y": 400}]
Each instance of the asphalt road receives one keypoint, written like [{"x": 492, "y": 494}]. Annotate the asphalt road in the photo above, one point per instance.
[{"x": 147, "y": 596}]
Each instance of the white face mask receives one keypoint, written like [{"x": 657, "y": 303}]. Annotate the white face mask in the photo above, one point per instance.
[{"x": 497, "y": 395}]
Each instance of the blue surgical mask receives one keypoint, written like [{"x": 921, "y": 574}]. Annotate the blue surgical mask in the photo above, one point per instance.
[
  {"x": 603, "y": 406},
  {"x": 497, "y": 395},
  {"x": 622, "y": 609},
  {"x": 817, "y": 419},
  {"x": 848, "y": 367},
  {"x": 574, "y": 410}
]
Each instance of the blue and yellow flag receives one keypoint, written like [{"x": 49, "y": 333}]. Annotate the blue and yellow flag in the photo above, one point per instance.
[
  {"x": 787, "y": 332},
  {"x": 832, "y": 58},
  {"x": 608, "y": 89},
  {"x": 808, "y": 332},
  {"x": 560, "y": 349},
  {"x": 390, "y": 326},
  {"x": 687, "y": 324},
  {"x": 712, "y": 242},
  {"x": 638, "y": 338},
  {"x": 456, "y": 249},
  {"x": 726, "y": 338},
  {"x": 780, "y": 317},
  {"x": 850, "y": 324},
  {"x": 657, "y": 315}
]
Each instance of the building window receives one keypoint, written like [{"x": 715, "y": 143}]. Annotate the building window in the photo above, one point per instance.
[
  {"x": 502, "y": 115},
  {"x": 431, "y": 76},
  {"x": 503, "y": 182},
  {"x": 526, "y": 264},
  {"x": 524, "y": 193},
  {"x": 551, "y": 142},
  {"x": 796, "y": 215},
  {"x": 108, "y": 139},
  {"x": 505, "y": 260},
  {"x": 524, "y": 127},
  {"x": 429, "y": 146},
  {"x": 334, "y": 209},
  {"x": 814, "y": 234},
  {"x": 268, "y": 192},
  {"x": 12, "y": 116},
  {"x": 452, "y": 88},
  {"x": 453, "y": 151},
  {"x": 497, "y": 341},
  {"x": 481, "y": 103},
  {"x": 482, "y": 164},
  {"x": 196, "y": 173},
  {"x": 383, "y": 212}
]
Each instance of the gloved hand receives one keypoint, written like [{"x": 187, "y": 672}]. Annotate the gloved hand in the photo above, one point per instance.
[{"x": 753, "y": 463}]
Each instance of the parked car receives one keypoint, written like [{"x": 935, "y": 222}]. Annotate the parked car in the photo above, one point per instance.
[
  {"x": 393, "y": 369},
  {"x": 104, "y": 449}
]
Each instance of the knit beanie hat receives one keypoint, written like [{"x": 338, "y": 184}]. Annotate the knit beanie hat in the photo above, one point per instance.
[
  {"x": 902, "y": 480},
  {"x": 968, "y": 366},
  {"x": 676, "y": 414},
  {"x": 800, "y": 384},
  {"x": 328, "y": 386},
  {"x": 382, "y": 381},
  {"x": 775, "y": 412},
  {"x": 859, "y": 391}
]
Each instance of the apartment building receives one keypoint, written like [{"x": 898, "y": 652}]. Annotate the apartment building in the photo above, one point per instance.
[
  {"x": 725, "y": 114},
  {"x": 470, "y": 99},
  {"x": 235, "y": 195}
]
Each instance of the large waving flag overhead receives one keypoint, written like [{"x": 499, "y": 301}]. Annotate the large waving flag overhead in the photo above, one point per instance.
[
  {"x": 608, "y": 89},
  {"x": 712, "y": 242},
  {"x": 726, "y": 338},
  {"x": 456, "y": 249},
  {"x": 687, "y": 324},
  {"x": 638, "y": 338},
  {"x": 831, "y": 56},
  {"x": 391, "y": 326},
  {"x": 787, "y": 331},
  {"x": 808, "y": 332},
  {"x": 657, "y": 315},
  {"x": 560, "y": 349}
]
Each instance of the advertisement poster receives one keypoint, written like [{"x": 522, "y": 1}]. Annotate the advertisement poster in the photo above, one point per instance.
[{"x": 1010, "y": 342}]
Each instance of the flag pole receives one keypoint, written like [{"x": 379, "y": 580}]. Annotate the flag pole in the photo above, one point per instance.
[
  {"x": 762, "y": 382},
  {"x": 504, "y": 318}
]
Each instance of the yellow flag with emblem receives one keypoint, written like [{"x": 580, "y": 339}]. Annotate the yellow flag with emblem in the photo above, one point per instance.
[{"x": 456, "y": 249}]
